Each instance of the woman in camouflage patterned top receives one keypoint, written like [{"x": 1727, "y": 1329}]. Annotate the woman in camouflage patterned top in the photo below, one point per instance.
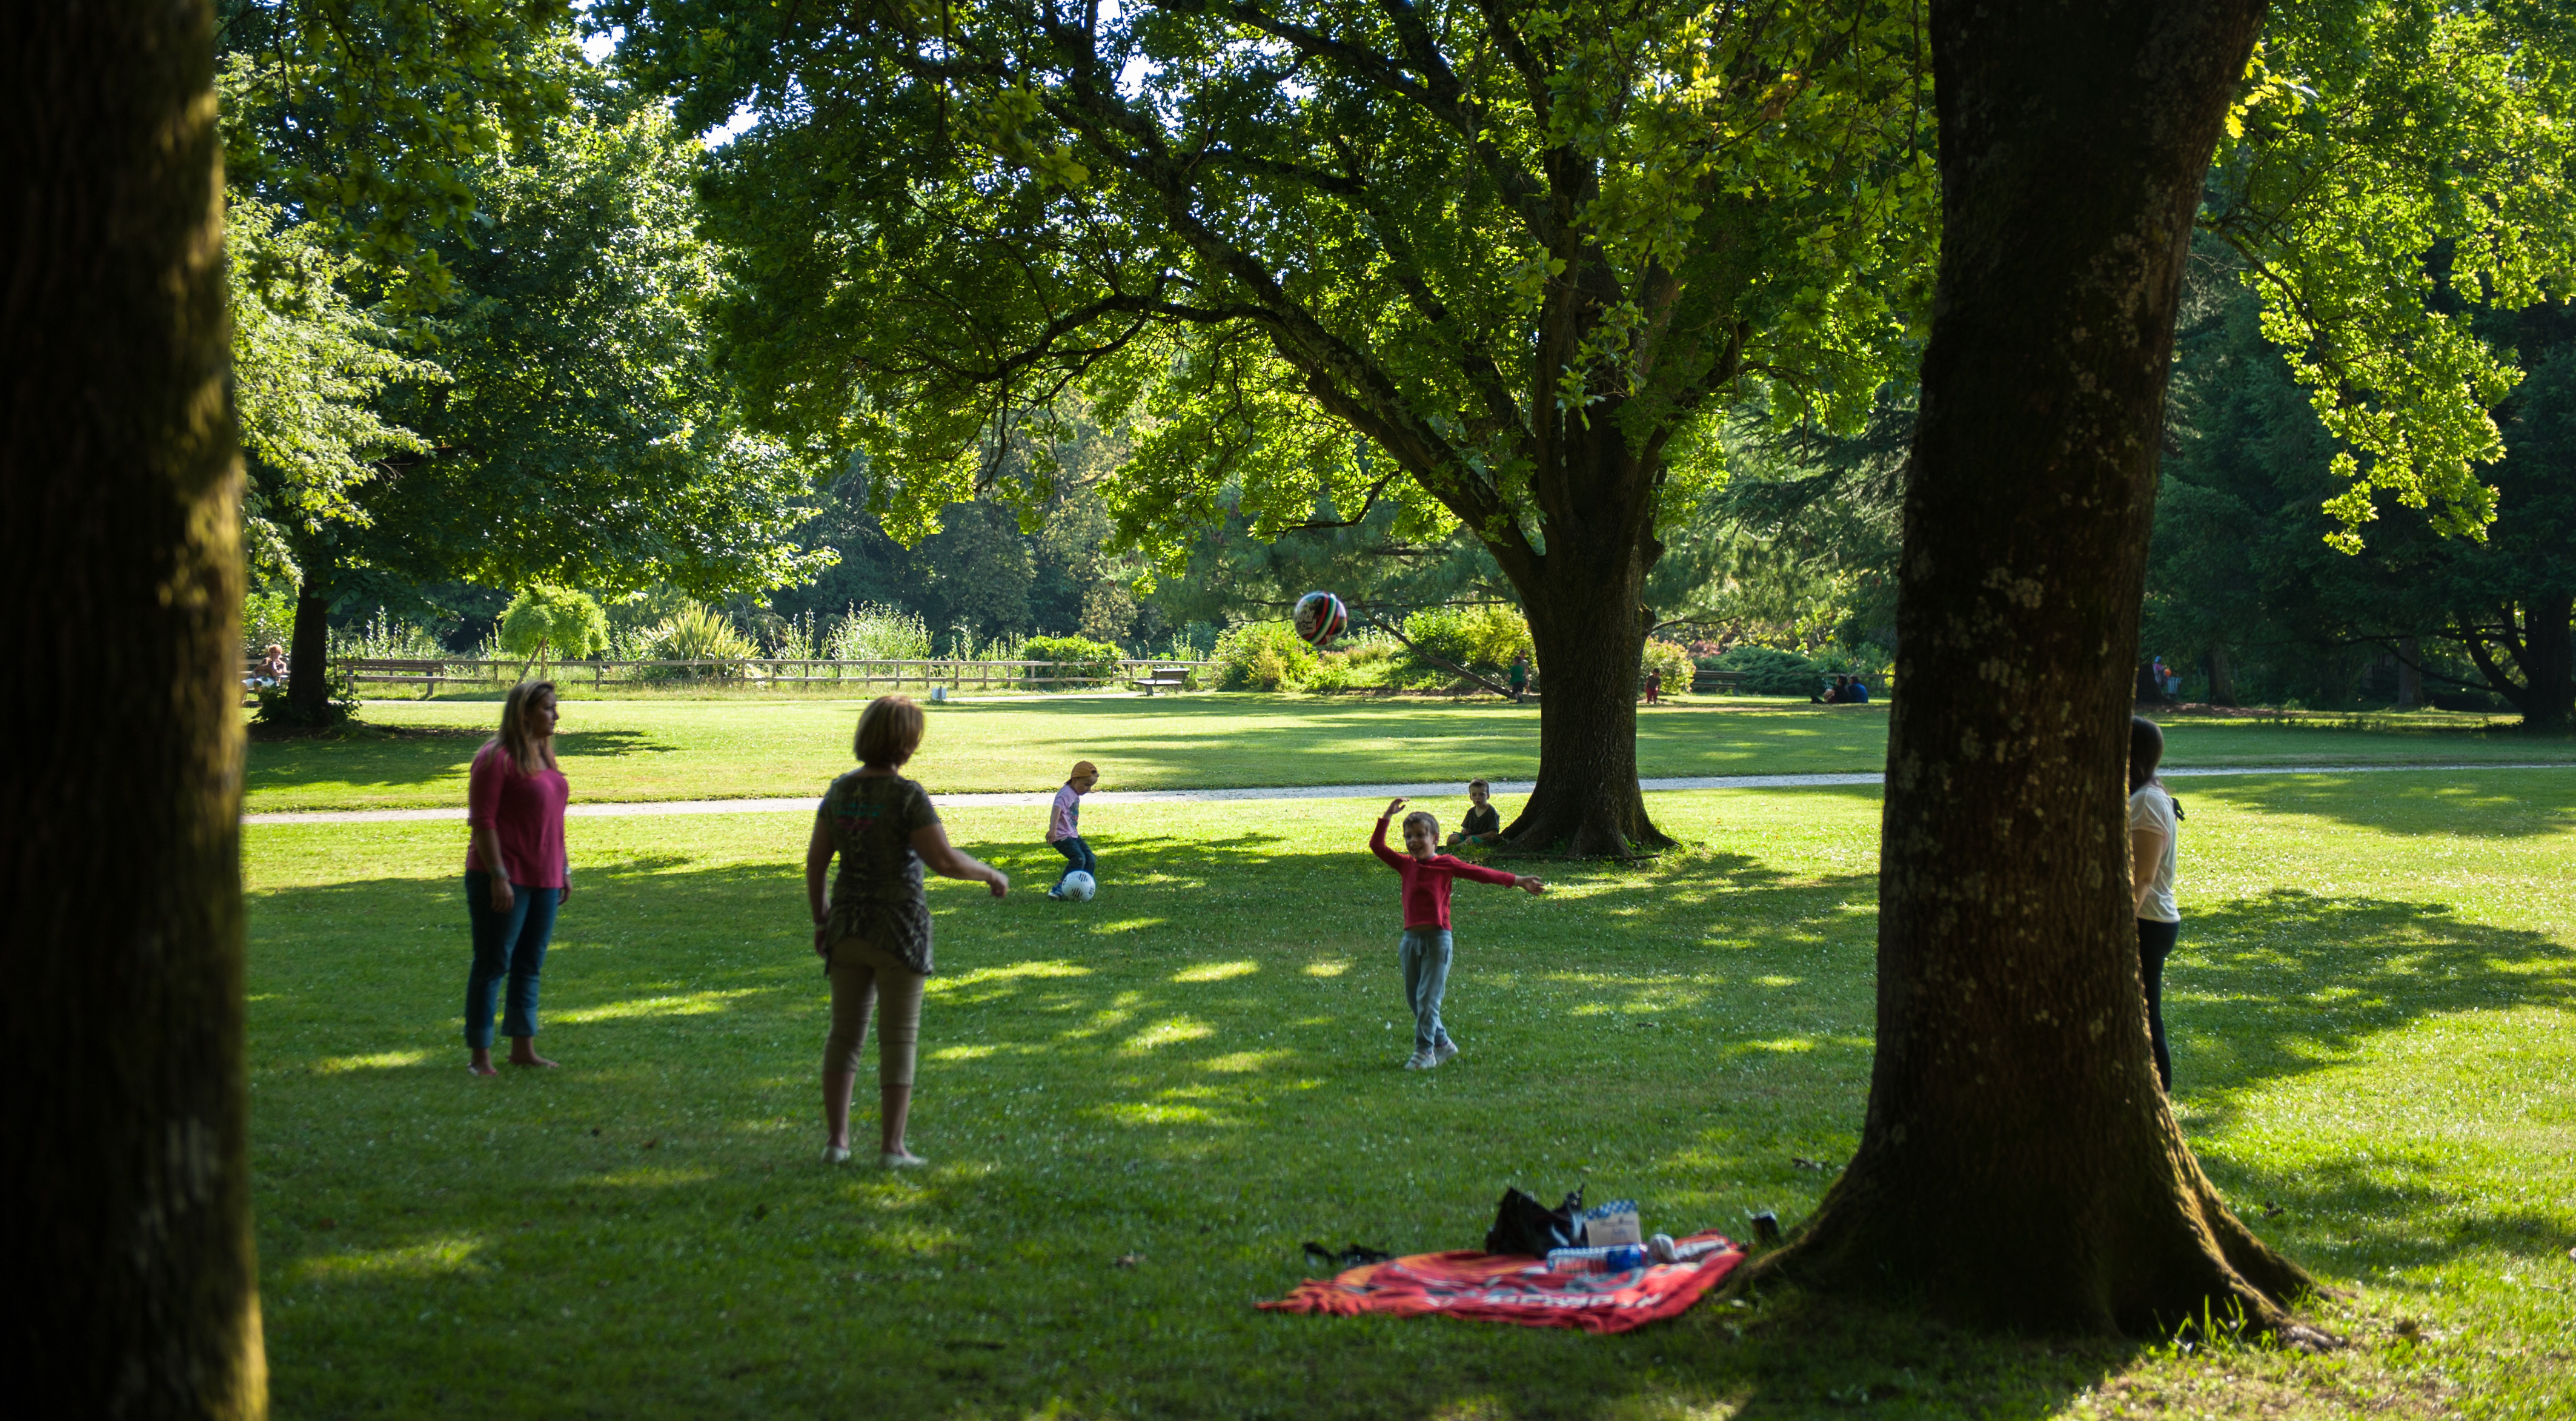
[{"x": 874, "y": 938}]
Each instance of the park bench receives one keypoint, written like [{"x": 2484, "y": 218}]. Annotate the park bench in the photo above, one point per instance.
[
  {"x": 1163, "y": 678},
  {"x": 427, "y": 675}
]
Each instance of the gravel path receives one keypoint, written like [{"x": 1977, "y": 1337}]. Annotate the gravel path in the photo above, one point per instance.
[{"x": 1444, "y": 789}]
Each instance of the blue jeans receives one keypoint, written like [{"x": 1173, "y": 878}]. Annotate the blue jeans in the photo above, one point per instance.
[
  {"x": 2155, "y": 942},
  {"x": 1077, "y": 857},
  {"x": 1425, "y": 955},
  {"x": 509, "y": 945}
]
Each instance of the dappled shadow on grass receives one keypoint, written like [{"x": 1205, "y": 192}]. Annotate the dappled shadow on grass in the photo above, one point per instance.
[
  {"x": 2490, "y": 804},
  {"x": 1192, "y": 1074},
  {"x": 2292, "y": 982},
  {"x": 2273, "y": 988}
]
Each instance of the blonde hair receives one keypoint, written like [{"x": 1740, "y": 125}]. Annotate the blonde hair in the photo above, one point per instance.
[
  {"x": 525, "y": 750},
  {"x": 1424, "y": 818},
  {"x": 889, "y": 731}
]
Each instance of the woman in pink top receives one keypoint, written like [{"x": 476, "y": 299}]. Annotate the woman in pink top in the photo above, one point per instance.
[{"x": 515, "y": 874}]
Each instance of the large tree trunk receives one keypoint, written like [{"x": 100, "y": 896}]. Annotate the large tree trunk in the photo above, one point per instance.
[
  {"x": 2535, "y": 637},
  {"x": 2410, "y": 674},
  {"x": 1584, "y": 596},
  {"x": 2222, "y": 678},
  {"x": 2019, "y": 1164},
  {"x": 308, "y": 657},
  {"x": 128, "y": 1209}
]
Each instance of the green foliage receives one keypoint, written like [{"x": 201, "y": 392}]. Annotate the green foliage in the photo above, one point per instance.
[
  {"x": 267, "y": 619},
  {"x": 1483, "y": 638},
  {"x": 1769, "y": 671},
  {"x": 308, "y": 366},
  {"x": 872, "y": 632},
  {"x": 545, "y": 622},
  {"x": 1368, "y": 290},
  {"x": 1261, "y": 656},
  {"x": 2384, "y": 152},
  {"x": 1673, "y": 660},
  {"x": 587, "y": 439},
  {"x": 698, "y": 632},
  {"x": 383, "y": 637},
  {"x": 368, "y": 116},
  {"x": 339, "y": 704},
  {"x": 1073, "y": 654}
]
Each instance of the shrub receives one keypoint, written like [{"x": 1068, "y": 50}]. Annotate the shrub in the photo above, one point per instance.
[
  {"x": 339, "y": 701},
  {"x": 868, "y": 632},
  {"x": 697, "y": 632},
  {"x": 1261, "y": 656},
  {"x": 548, "y": 621},
  {"x": 1671, "y": 658},
  {"x": 1482, "y": 639},
  {"x": 1071, "y": 655},
  {"x": 1332, "y": 673},
  {"x": 1769, "y": 671}
]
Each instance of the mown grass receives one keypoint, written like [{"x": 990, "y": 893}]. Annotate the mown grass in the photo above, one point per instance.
[
  {"x": 745, "y": 748},
  {"x": 2371, "y": 1012}
]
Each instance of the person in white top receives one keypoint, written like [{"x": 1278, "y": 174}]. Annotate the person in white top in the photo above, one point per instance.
[{"x": 2153, "y": 822}]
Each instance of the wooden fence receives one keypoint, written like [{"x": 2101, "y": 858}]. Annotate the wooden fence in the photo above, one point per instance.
[{"x": 431, "y": 677}]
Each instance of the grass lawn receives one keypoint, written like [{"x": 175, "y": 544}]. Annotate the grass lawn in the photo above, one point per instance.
[
  {"x": 741, "y": 747},
  {"x": 2374, "y": 1020}
]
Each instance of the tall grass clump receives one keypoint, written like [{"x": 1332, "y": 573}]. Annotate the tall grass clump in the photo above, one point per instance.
[
  {"x": 868, "y": 632},
  {"x": 697, "y": 632},
  {"x": 382, "y": 637}
]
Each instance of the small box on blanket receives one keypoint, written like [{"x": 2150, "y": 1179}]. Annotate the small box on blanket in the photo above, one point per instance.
[{"x": 1612, "y": 1223}]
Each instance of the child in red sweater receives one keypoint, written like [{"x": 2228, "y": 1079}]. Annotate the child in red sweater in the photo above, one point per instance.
[{"x": 1425, "y": 951}]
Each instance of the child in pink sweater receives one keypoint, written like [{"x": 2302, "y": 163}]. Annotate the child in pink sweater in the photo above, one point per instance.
[{"x": 1427, "y": 944}]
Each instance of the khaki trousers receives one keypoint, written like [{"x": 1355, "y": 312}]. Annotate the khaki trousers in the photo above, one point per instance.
[{"x": 865, "y": 977}]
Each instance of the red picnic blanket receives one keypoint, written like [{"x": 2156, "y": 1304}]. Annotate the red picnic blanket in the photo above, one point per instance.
[{"x": 1508, "y": 1287}]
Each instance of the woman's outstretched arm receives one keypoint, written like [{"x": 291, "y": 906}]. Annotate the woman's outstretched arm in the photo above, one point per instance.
[{"x": 948, "y": 861}]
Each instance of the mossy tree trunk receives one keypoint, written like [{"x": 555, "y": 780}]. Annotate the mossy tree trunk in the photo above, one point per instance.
[
  {"x": 128, "y": 1183},
  {"x": 2019, "y": 1164}
]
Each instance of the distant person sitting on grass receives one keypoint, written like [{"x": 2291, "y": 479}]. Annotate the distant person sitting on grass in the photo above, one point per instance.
[
  {"x": 516, "y": 877},
  {"x": 874, "y": 938},
  {"x": 1833, "y": 695},
  {"x": 1425, "y": 949},
  {"x": 1856, "y": 692},
  {"x": 1064, "y": 826},
  {"x": 1483, "y": 824}
]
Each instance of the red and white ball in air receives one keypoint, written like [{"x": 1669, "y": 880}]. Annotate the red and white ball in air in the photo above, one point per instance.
[{"x": 1319, "y": 618}]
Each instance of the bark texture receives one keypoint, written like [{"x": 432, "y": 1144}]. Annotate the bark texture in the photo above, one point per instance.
[
  {"x": 308, "y": 655},
  {"x": 2019, "y": 1164},
  {"x": 128, "y": 1208},
  {"x": 1584, "y": 596}
]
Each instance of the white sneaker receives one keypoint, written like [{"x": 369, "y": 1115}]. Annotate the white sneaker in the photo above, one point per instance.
[
  {"x": 1420, "y": 1061},
  {"x": 1444, "y": 1053},
  {"x": 901, "y": 1159}
]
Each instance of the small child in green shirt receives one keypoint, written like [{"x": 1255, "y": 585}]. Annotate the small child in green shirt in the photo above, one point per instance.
[{"x": 1483, "y": 824}]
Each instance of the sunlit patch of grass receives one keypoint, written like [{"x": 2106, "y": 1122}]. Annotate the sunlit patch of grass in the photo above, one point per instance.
[
  {"x": 380, "y": 1061},
  {"x": 684, "y": 1004},
  {"x": 452, "y": 1253},
  {"x": 1216, "y": 971}
]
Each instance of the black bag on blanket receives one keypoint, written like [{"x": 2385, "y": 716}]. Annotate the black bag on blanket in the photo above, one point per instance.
[{"x": 1524, "y": 1226}]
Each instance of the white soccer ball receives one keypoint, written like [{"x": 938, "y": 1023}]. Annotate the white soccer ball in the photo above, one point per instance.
[{"x": 1078, "y": 886}]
